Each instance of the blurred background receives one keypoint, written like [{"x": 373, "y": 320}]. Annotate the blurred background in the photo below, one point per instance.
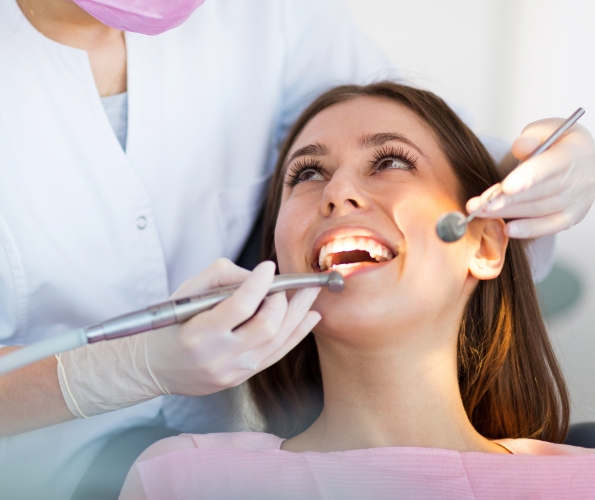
[{"x": 507, "y": 63}]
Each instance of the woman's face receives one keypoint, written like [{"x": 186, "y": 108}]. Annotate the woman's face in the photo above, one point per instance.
[{"x": 365, "y": 183}]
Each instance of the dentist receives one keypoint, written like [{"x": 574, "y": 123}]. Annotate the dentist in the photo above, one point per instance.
[
  {"x": 136, "y": 141},
  {"x": 132, "y": 162}
]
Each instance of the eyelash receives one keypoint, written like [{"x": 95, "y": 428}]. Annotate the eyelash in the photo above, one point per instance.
[
  {"x": 394, "y": 153},
  {"x": 380, "y": 155},
  {"x": 299, "y": 167}
]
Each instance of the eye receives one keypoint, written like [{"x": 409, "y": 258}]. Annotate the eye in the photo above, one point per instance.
[
  {"x": 309, "y": 174},
  {"x": 388, "y": 162},
  {"x": 391, "y": 158},
  {"x": 302, "y": 171}
]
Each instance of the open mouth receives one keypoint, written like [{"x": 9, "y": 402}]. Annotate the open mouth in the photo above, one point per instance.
[{"x": 350, "y": 251}]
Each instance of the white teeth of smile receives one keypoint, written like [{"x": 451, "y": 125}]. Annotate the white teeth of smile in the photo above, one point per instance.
[{"x": 376, "y": 250}]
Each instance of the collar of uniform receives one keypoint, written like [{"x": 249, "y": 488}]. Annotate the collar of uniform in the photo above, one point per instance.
[{"x": 13, "y": 21}]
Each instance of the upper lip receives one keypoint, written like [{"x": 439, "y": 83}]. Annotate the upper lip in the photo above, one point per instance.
[{"x": 346, "y": 232}]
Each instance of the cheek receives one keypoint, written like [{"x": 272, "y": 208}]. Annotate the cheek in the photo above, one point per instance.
[
  {"x": 291, "y": 231},
  {"x": 437, "y": 271},
  {"x": 283, "y": 241}
]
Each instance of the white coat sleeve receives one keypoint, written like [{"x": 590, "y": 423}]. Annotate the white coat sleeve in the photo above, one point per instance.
[
  {"x": 323, "y": 48},
  {"x": 10, "y": 304}
]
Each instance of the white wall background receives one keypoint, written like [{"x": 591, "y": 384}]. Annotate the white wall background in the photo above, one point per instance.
[{"x": 507, "y": 63}]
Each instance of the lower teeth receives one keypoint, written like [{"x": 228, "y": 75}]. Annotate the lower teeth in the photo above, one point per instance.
[
  {"x": 328, "y": 262},
  {"x": 347, "y": 265},
  {"x": 344, "y": 266}
]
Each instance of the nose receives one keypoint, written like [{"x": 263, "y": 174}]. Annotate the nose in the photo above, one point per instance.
[{"x": 342, "y": 195}]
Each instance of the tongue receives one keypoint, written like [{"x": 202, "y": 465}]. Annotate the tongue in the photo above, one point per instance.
[{"x": 351, "y": 257}]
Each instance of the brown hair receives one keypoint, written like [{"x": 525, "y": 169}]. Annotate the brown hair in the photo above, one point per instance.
[{"x": 510, "y": 381}]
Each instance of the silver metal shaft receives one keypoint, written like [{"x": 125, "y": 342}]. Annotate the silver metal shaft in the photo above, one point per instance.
[
  {"x": 158, "y": 316},
  {"x": 180, "y": 310}
]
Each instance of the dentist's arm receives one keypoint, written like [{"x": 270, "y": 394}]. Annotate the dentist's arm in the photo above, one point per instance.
[
  {"x": 551, "y": 192},
  {"x": 214, "y": 350},
  {"x": 31, "y": 397}
]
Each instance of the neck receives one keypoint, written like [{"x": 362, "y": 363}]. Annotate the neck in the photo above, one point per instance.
[
  {"x": 65, "y": 22},
  {"x": 400, "y": 395}
]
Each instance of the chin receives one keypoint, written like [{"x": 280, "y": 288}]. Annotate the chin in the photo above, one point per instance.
[
  {"x": 378, "y": 315},
  {"x": 355, "y": 315}
]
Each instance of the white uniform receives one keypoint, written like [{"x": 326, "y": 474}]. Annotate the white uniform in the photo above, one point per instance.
[{"x": 88, "y": 231}]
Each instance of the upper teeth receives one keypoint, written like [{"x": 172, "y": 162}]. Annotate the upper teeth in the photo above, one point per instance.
[{"x": 376, "y": 250}]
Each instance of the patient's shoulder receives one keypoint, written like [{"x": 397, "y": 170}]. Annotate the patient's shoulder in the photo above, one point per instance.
[
  {"x": 236, "y": 440},
  {"x": 167, "y": 445},
  {"x": 133, "y": 488},
  {"x": 224, "y": 440},
  {"x": 536, "y": 447}
]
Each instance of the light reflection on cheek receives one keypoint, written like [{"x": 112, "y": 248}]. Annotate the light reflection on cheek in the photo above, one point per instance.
[
  {"x": 289, "y": 234},
  {"x": 281, "y": 240},
  {"x": 427, "y": 255}
]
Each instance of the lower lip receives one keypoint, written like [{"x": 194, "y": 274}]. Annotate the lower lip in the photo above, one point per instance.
[{"x": 350, "y": 270}]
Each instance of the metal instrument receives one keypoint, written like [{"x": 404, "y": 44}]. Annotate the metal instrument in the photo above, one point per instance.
[
  {"x": 155, "y": 317},
  {"x": 452, "y": 225},
  {"x": 181, "y": 310}
]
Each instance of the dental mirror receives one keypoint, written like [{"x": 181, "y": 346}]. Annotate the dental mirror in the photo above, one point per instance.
[{"x": 453, "y": 225}]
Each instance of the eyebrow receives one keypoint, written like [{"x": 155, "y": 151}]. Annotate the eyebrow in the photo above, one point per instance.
[
  {"x": 365, "y": 141},
  {"x": 375, "y": 140},
  {"x": 315, "y": 149}
]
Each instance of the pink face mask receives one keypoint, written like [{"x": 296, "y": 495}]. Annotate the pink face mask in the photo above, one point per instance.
[{"x": 150, "y": 17}]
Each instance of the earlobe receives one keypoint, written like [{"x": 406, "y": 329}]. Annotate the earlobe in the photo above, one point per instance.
[{"x": 488, "y": 260}]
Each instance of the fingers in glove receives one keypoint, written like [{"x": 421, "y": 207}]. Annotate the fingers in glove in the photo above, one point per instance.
[
  {"x": 533, "y": 209},
  {"x": 541, "y": 226},
  {"x": 533, "y": 135},
  {"x": 550, "y": 197},
  {"x": 546, "y": 174},
  {"x": 549, "y": 164},
  {"x": 538, "y": 132},
  {"x": 222, "y": 272},
  {"x": 245, "y": 301},
  {"x": 268, "y": 349},
  {"x": 474, "y": 203},
  {"x": 270, "y": 353},
  {"x": 523, "y": 146},
  {"x": 254, "y": 336},
  {"x": 547, "y": 189},
  {"x": 264, "y": 325}
]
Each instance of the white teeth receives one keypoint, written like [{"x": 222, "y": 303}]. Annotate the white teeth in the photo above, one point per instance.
[
  {"x": 376, "y": 250},
  {"x": 333, "y": 247}
]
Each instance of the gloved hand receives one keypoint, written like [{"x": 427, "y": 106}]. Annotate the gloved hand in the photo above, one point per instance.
[
  {"x": 550, "y": 192},
  {"x": 214, "y": 350},
  {"x": 226, "y": 345}
]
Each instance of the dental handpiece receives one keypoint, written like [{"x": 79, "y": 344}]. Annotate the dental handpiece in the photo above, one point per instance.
[
  {"x": 452, "y": 225},
  {"x": 155, "y": 317},
  {"x": 181, "y": 310}
]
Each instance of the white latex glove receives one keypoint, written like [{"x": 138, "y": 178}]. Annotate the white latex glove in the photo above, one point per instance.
[
  {"x": 226, "y": 345},
  {"x": 551, "y": 192},
  {"x": 215, "y": 350}
]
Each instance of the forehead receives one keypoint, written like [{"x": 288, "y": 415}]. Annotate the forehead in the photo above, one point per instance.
[
  {"x": 346, "y": 122},
  {"x": 341, "y": 127}
]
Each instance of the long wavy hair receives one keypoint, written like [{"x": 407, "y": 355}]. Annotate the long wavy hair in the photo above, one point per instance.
[{"x": 510, "y": 382}]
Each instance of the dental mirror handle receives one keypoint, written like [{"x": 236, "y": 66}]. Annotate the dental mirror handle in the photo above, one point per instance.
[{"x": 572, "y": 119}]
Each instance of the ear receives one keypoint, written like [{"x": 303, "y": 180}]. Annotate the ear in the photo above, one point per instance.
[{"x": 491, "y": 241}]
